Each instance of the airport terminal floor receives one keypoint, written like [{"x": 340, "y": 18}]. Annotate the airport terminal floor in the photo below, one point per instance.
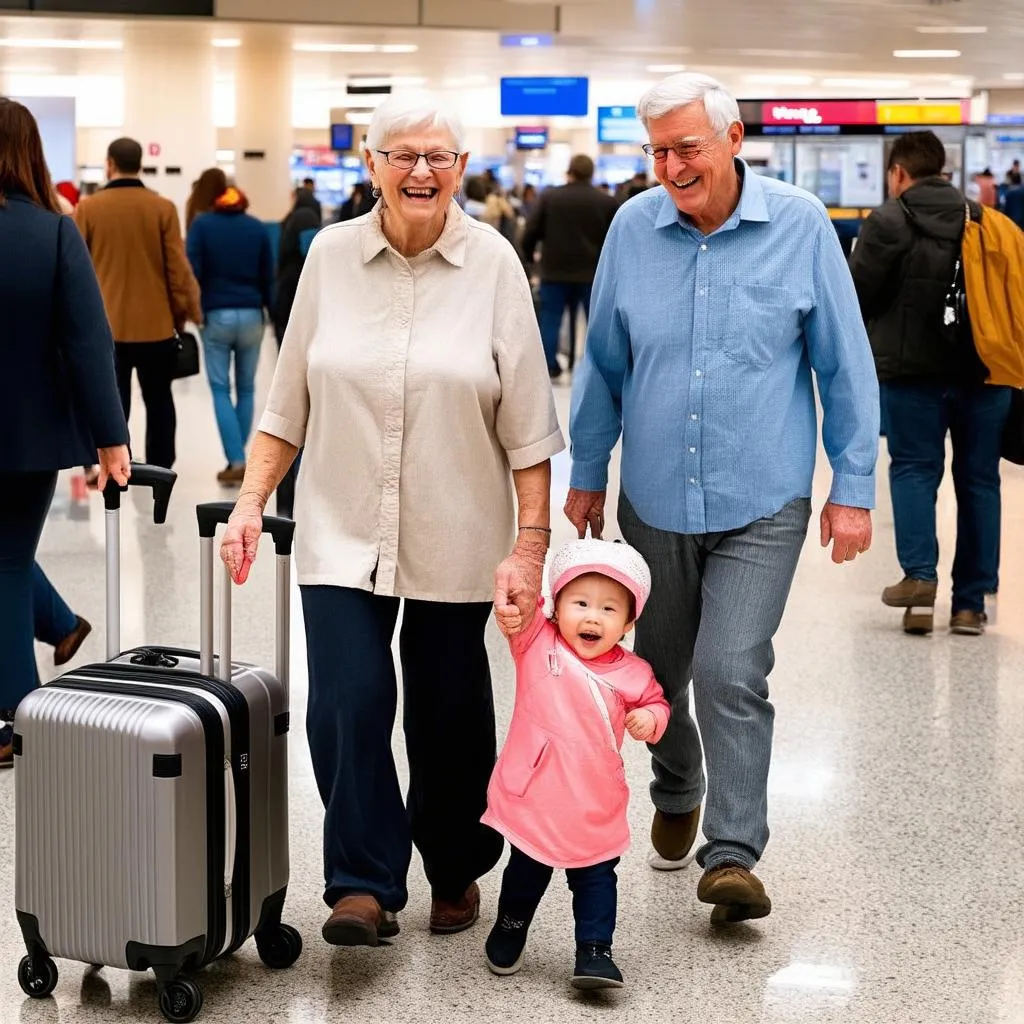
[{"x": 896, "y": 807}]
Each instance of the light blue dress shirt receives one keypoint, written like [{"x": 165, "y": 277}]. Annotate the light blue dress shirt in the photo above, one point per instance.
[{"x": 700, "y": 350}]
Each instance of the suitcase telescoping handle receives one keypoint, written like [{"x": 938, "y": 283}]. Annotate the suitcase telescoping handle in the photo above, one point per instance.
[
  {"x": 161, "y": 482},
  {"x": 211, "y": 514}
]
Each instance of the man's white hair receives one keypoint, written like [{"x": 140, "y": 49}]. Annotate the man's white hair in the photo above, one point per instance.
[
  {"x": 405, "y": 111},
  {"x": 690, "y": 87}
]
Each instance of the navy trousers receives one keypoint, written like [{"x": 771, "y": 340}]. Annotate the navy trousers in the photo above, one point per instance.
[
  {"x": 369, "y": 830},
  {"x": 27, "y": 498},
  {"x": 54, "y": 620},
  {"x": 594, "y": 894}
]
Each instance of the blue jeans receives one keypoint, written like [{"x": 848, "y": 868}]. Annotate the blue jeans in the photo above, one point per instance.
[
  {"x": 54, "y": 620},
  {"x": 235, "y": 332},
  {"x": 716, "y": 603},
  {"x": 555, "y": 296},
  {"x": 594, "y": 894},
  {"x": 918, "y": 417},
  {"x": 22, "y": 515}
]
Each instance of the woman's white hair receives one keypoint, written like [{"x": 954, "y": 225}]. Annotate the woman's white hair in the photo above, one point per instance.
[
  {"x": 690, "y": 87},
  {"x": 404, "y": 111}
]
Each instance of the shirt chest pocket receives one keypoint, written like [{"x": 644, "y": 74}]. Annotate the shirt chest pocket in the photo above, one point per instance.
[{"x": 760, "y": 322}]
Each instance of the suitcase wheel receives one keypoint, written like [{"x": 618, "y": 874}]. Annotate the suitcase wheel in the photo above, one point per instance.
[
  {"x": 279, "y": 948},
  {"x": 181, "y": 1001},
  {"x": 38, "y": 978}
]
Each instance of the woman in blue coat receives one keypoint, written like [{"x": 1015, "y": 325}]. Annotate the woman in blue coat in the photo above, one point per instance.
[{"x": 59, "y": 405}]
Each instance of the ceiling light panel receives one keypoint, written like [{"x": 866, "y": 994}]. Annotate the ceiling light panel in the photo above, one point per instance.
[
  {"x": 62, "y": 44},
  {"x": 925, "y": 54},
  {"x": 952, "y": 30},
  {"x": 770, "y": 79},
  {"x": 665, "y": 69},
  {"x": 867, "y": 84}
]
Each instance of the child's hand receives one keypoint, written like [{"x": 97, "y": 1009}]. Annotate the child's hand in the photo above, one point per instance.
[
  {"x": 641, "y": 723},
  {"x": 509, "y": 619}
]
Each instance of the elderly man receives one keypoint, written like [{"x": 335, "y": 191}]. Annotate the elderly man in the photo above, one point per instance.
[{"x": 715, "y": 298}]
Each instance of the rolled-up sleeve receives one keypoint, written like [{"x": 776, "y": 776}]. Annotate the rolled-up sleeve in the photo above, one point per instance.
[
  {"x": 287, "y": 411},
  {"x": 840, "y": 355},
  {"x": 526, "y": 423}
]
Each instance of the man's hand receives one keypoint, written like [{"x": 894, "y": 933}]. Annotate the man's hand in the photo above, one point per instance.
[
  {"x": 849, "y": 530},
  {"x": 517, "y": 584},
  {"x": 641, "y": 724},
  {"x": 586, "y": 508},
  {"x": 115, "y": 464}
]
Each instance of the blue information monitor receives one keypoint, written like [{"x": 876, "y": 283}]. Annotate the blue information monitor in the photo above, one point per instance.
[
  {"x": 545, "y": 97},
  {"x": 620, "y": 124},
  {"x": 341, "y": 137}
]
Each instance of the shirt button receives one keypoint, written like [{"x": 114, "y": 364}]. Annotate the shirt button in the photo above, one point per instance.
[
  {"x": 703, "y": 291},
  {"x": 703, "y": 248},
  {"x": 693, "y": 451},
  {"x": 698, "y": 374},
  {"x": 693, "y": 415},
  {"x": 693, "y": 479}
]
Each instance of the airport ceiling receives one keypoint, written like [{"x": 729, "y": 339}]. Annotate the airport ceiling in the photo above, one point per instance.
[{"x": 767, "y": 48}]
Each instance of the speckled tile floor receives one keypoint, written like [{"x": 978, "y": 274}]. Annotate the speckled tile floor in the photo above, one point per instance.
[{"x": 897, "y": 810}]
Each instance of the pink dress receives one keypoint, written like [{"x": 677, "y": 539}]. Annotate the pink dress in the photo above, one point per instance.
[{"x": 559, "y": 790}]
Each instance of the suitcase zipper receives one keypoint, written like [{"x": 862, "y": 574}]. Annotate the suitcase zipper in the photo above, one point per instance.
[
  {"x": 239, "y": 890},
  {"x": 213, "y": 730}
]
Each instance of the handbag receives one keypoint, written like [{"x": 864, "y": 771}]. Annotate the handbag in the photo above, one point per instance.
[
  {"x": 186, "y": 355},
  {"x": 1013, "y": 431}
]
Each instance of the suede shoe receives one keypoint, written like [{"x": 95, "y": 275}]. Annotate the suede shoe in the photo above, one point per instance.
[
  {"x": 595, "y": 967},
  {"x": 968, "y": 623},
  {"x": 68, "y": 647},
  {"x": 736, "y": 893},
  {"x": 910, "y": 593},
  {"x": 448, "y": 918},
  {"x": 506, "y": 943},
  {"x": 673, "y": 837},
  {"x": 359, "y": 920}
]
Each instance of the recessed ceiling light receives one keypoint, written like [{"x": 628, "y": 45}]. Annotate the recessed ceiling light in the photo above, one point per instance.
[
  {"x": 665, "y": 69},
  {"x": 952, "y": 30},
  {"x": 925, "y": 54},
  {"x": 399, "y": 48},
  {"x": 354, "y": 48},
  {"x": 62, "y": 44},
  {"x": 868, "y": 84},
  {"x": 1014, "y": 76},
  {"x": 769, "y": 79},
  {"x": 226, "y": 44}
]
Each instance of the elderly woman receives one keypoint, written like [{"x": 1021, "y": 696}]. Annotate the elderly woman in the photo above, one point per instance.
[{"x": 413, "y": 376}]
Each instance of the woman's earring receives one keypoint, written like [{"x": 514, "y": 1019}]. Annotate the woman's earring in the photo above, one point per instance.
[{"x": 375, "y": 192}]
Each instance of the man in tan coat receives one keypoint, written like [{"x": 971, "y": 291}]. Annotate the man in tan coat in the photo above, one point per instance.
[{"x": 149, "y": 291}]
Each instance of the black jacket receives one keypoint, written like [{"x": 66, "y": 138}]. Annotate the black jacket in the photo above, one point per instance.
[
  {"x": 572, "y": 222},
  {"x": 305, "y": 216},
  {"x": 58, "y": 393},
  {"x": 903, "y": 266}
]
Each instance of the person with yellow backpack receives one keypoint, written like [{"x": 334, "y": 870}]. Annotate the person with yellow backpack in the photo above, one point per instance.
[{"x": 941, "y": 288}]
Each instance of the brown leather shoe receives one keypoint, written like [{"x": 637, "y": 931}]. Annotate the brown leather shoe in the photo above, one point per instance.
[
  {"x": 968, "y": 623},
  {"x": 910, "y": 593},
  {"x": 737, "y": 894},
  {"x": 448, "y": 918},
  {"x": 358, "y": 920},
  {"x": 68, "y": 647},
  {"x": 673, "y": 836}
]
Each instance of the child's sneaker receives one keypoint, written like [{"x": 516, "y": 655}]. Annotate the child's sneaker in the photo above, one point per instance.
[
  {"x": 506, "y": 943},
  {"x": 595, "y": 967}
]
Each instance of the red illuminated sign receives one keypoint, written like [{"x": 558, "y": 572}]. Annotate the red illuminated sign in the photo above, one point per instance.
[{"x": 815, "y": 112}]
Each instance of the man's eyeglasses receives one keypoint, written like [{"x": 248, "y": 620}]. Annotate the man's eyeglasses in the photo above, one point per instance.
[
  {"x": 406, "y": 160},
  {"x": 685, "y": 149}
]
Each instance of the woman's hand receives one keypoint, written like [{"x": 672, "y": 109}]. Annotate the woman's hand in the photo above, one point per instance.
[
  {"x": 114, "y": 464},
  {"x": 517, "y": 584},
  {"x": 241, "y": 539}
]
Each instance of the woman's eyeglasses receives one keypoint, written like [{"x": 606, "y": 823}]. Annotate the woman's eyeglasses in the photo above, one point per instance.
[{"x": 406, "y": 160}]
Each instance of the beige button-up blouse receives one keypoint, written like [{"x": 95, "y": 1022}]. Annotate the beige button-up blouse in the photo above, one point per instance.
[{"x": 415, "y": 386}]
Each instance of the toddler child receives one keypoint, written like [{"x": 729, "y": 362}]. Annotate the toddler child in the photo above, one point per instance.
[{"x": 558, "y": 792}]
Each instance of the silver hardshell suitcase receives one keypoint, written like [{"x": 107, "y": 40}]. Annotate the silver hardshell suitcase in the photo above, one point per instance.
[{"x": 152, "y": 799}]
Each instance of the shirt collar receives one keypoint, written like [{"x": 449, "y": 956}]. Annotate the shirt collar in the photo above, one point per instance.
[
  {"x": 124, "y": 183},
  {"x": 752, "y": 205},
  {"x": 450, "y": 246}
]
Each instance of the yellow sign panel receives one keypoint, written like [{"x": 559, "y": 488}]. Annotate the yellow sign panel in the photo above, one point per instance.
[{"x": 919, "y": 113}]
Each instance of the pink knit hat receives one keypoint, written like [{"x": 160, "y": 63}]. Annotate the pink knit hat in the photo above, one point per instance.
[{"x": 613, "y": 559}]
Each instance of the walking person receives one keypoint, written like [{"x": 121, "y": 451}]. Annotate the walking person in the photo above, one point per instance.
[
  {"x": 59, "y": 405},
  {"x": 149, "y": 291},
  {"x": 231, "y": 258},
  {"x": 411, "y": 375},
  {"x": 718, "y": 295}
]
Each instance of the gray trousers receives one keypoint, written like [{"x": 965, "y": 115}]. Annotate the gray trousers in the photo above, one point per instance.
[{"x": 716, "y": 603}]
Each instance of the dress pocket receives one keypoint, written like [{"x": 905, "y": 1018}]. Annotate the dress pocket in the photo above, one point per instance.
[
  {"x": 761, "y": 321},
  {"x": 518, "y": 771}
]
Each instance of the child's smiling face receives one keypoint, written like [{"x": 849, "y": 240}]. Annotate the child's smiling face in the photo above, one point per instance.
[{"x": 593, "y": 613}]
